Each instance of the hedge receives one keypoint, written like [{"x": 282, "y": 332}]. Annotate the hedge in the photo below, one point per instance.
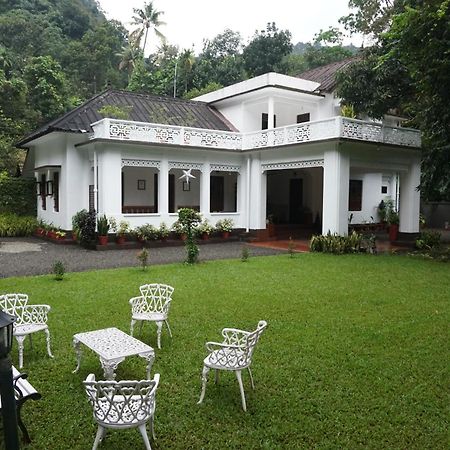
[{"x": 17, "y": 195}]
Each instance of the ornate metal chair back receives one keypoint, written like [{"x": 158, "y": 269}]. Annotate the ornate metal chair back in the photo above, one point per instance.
[
  {"x": 253, "y": 338},
  {"x": 157, "y": 297},
  {"x": 122, "y": 403},
  {"x": 14, "y": 304}
]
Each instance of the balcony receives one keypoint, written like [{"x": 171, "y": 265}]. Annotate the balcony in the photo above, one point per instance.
[{"x": 332, "y": 128}]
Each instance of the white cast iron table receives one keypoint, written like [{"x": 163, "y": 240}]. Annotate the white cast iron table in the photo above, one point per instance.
[{"x": 112, "y": 346}]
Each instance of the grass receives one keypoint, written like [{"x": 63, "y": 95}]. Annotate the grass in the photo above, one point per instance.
[{"x": 355, "y": 355}]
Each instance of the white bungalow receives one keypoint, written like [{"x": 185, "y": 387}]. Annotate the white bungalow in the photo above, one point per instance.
[{"x": 272, "y": 145}]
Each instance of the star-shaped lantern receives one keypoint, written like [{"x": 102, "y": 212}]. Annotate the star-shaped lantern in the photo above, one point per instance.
[{"x": 187, "y": 175}]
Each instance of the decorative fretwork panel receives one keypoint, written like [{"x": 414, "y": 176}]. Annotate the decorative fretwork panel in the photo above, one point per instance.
[
  {"x": 293, "y": 165},
  {"x": 141, "y": 163},
  {"x": 185, "y": 165},
  {"x": 224, "y": 168}
]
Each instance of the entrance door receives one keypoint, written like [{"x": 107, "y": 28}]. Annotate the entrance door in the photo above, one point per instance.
[
  {"x": 171, "y": 193},
  {"x": 217, "y": 194},
  {"x": 295, "y": 200}
]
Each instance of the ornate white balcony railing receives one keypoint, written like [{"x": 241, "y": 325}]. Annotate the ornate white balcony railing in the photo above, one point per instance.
[{"x": 334, "y": 127}]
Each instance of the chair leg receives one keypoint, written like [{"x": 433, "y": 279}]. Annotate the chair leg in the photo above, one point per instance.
[
  {"x": 241, "y": 387},
  {"x": 143, "y": 431},
  {"x": 251, "y": 377},
  {"x": 204, "y": 380},
  {"x": 47, "y": 333},
  {"x": 159, "y": 325},
  {"x": 216, "y": 380},
  {"x": 140, "y": 328},
  {"x": 168, "y": 328},
  {"x": 152, "y": 426},
  {"x": 132, "y": 327},
  {"x": 20, "y": 340},
  {"x": 99, "y": 436}
]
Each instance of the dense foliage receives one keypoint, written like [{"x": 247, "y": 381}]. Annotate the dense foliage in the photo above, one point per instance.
[
  {"x": 408, "y": 69},
  {"x": 17, "y": 195},
  {"x": 12, "y": 225}
]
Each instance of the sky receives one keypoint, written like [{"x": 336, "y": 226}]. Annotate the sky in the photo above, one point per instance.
[{"x": 189, "y": 22}]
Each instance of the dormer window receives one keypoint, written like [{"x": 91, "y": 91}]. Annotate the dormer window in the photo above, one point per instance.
[
  {"x": 265, "y": 121},
  {"x": 303, "y": 118}
]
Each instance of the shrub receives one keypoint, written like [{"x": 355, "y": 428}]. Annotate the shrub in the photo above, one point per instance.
[
  {"x": 146, "y": 232},
  {"x": 428, "y": 240},
  {"x": 58, "y": 270},
  {"x": 245, "y": 254},
  {"x": 205, "y": 228},
  {"x": 163, "y": 231},
  {"x": 189, "y": 219},
  {"x": 124, "y": 227},
  {"x": 142, "y": 257},
  {"x": 87, "y": 222},
  {"x": 12, "y": 225},
  {"x": 333, "y": 243}
]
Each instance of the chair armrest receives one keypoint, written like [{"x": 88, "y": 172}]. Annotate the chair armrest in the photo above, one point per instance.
[
  {"x": 166, "y": 306},
  {"x": 35, "y": 314},
  {"x": 138, "y": 304},
  {"x": 234, "y": 336}
]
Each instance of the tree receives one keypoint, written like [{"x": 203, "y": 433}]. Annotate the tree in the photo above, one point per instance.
[
  {"x": 408, "y": 68},
  {"x": 129, "y": 55},
  {"x": 146, "y": 19},
  {"x": 266, "y": 50},
  {"x": 186, "y": 62},
  {"x": 47, "y": 87},
  {"x": 326, "y": 48}
]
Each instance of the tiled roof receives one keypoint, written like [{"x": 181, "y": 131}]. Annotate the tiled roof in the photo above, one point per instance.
[
  {"x": 326, "y": 75},
  {"x": 142, "y": 108}
]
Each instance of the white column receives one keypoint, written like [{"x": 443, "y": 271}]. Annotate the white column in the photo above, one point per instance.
[
  {"x": 257, "y": 208},
  {"x": 110, "y": 182},
  {"x": 205, "y": 181},
  {"x": 336, "y": 175},
  {"x": 410, "y": 199},
  {"x": 271, "y": 112},
  {"x": 163, "y": 188}
]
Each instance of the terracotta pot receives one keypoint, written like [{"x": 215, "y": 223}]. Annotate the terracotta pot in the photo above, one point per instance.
[
  {"x": 225, "y": 234},
  {"x": 205, "y": 236},
  {"x": 103, "y": 240},
  {"x": 393, "y": 232},
  {"x": 40, "y": 232},
  {"x": 121, "y": 240}
]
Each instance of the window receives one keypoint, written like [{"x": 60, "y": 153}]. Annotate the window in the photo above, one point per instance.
[
  {"x": 303, "y": 118},
  {"x": 265, "y": 121},
  {"x": 56, "y": 191},
  {"x": 355, "y": 195},
  {"x": 43, "y": 192}
]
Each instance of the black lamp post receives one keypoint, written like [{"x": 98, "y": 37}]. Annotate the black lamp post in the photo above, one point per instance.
[{"x": 6, "y": 383}]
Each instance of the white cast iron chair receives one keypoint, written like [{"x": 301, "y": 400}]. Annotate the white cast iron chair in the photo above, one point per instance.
[
  {"x": 122, "y": 404},
  {"x": 234, "y": 354},
  {"x": 153, "y": 306},
  {"x": 30, "y": 319}
]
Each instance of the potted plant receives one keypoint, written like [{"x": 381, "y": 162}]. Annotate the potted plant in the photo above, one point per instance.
[
  {"x": 102, "y": 230},
  {"x": 60, "y": 235},
  {"x": 205, "y": 229},
  {"x": 225, "y": 226},
  {"x": 393, "y": 221},
  {"x": 179, "y": 230},
  {"x": 163, "y": 231},
  {"x": 122, "y": 229},
  {"x": 76, "y": 223}
]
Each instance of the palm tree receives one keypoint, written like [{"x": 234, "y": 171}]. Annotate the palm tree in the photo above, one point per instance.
[
  {"x": 129, "y": 55},
  {"x": 187, "y": 59},
  {"x": 144, "y": 19}
]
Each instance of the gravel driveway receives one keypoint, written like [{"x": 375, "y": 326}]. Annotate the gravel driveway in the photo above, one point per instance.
[{"x": 32, "y": 256}]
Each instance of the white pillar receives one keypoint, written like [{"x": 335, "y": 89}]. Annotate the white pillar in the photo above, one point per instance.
[
  {"x": 410, "y": 199},
  {"x": 163, "y": 189},
  {"x": 205, "y": 182},
  {"x": 271, "y": 112},
  {"x": 257, "y": 208},
  {"x": 110, "y": 182},
  {"x": 336, "y": 176}
]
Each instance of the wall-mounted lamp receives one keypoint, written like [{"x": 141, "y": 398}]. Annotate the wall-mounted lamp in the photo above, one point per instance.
[{"x": 49, "y": 187}]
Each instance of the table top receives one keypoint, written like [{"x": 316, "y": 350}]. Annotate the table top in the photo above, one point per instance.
[{"x": 112, "y": 343}]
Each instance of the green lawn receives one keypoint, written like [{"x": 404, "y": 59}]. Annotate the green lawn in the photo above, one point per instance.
[{"x": 355, "y": 355}]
